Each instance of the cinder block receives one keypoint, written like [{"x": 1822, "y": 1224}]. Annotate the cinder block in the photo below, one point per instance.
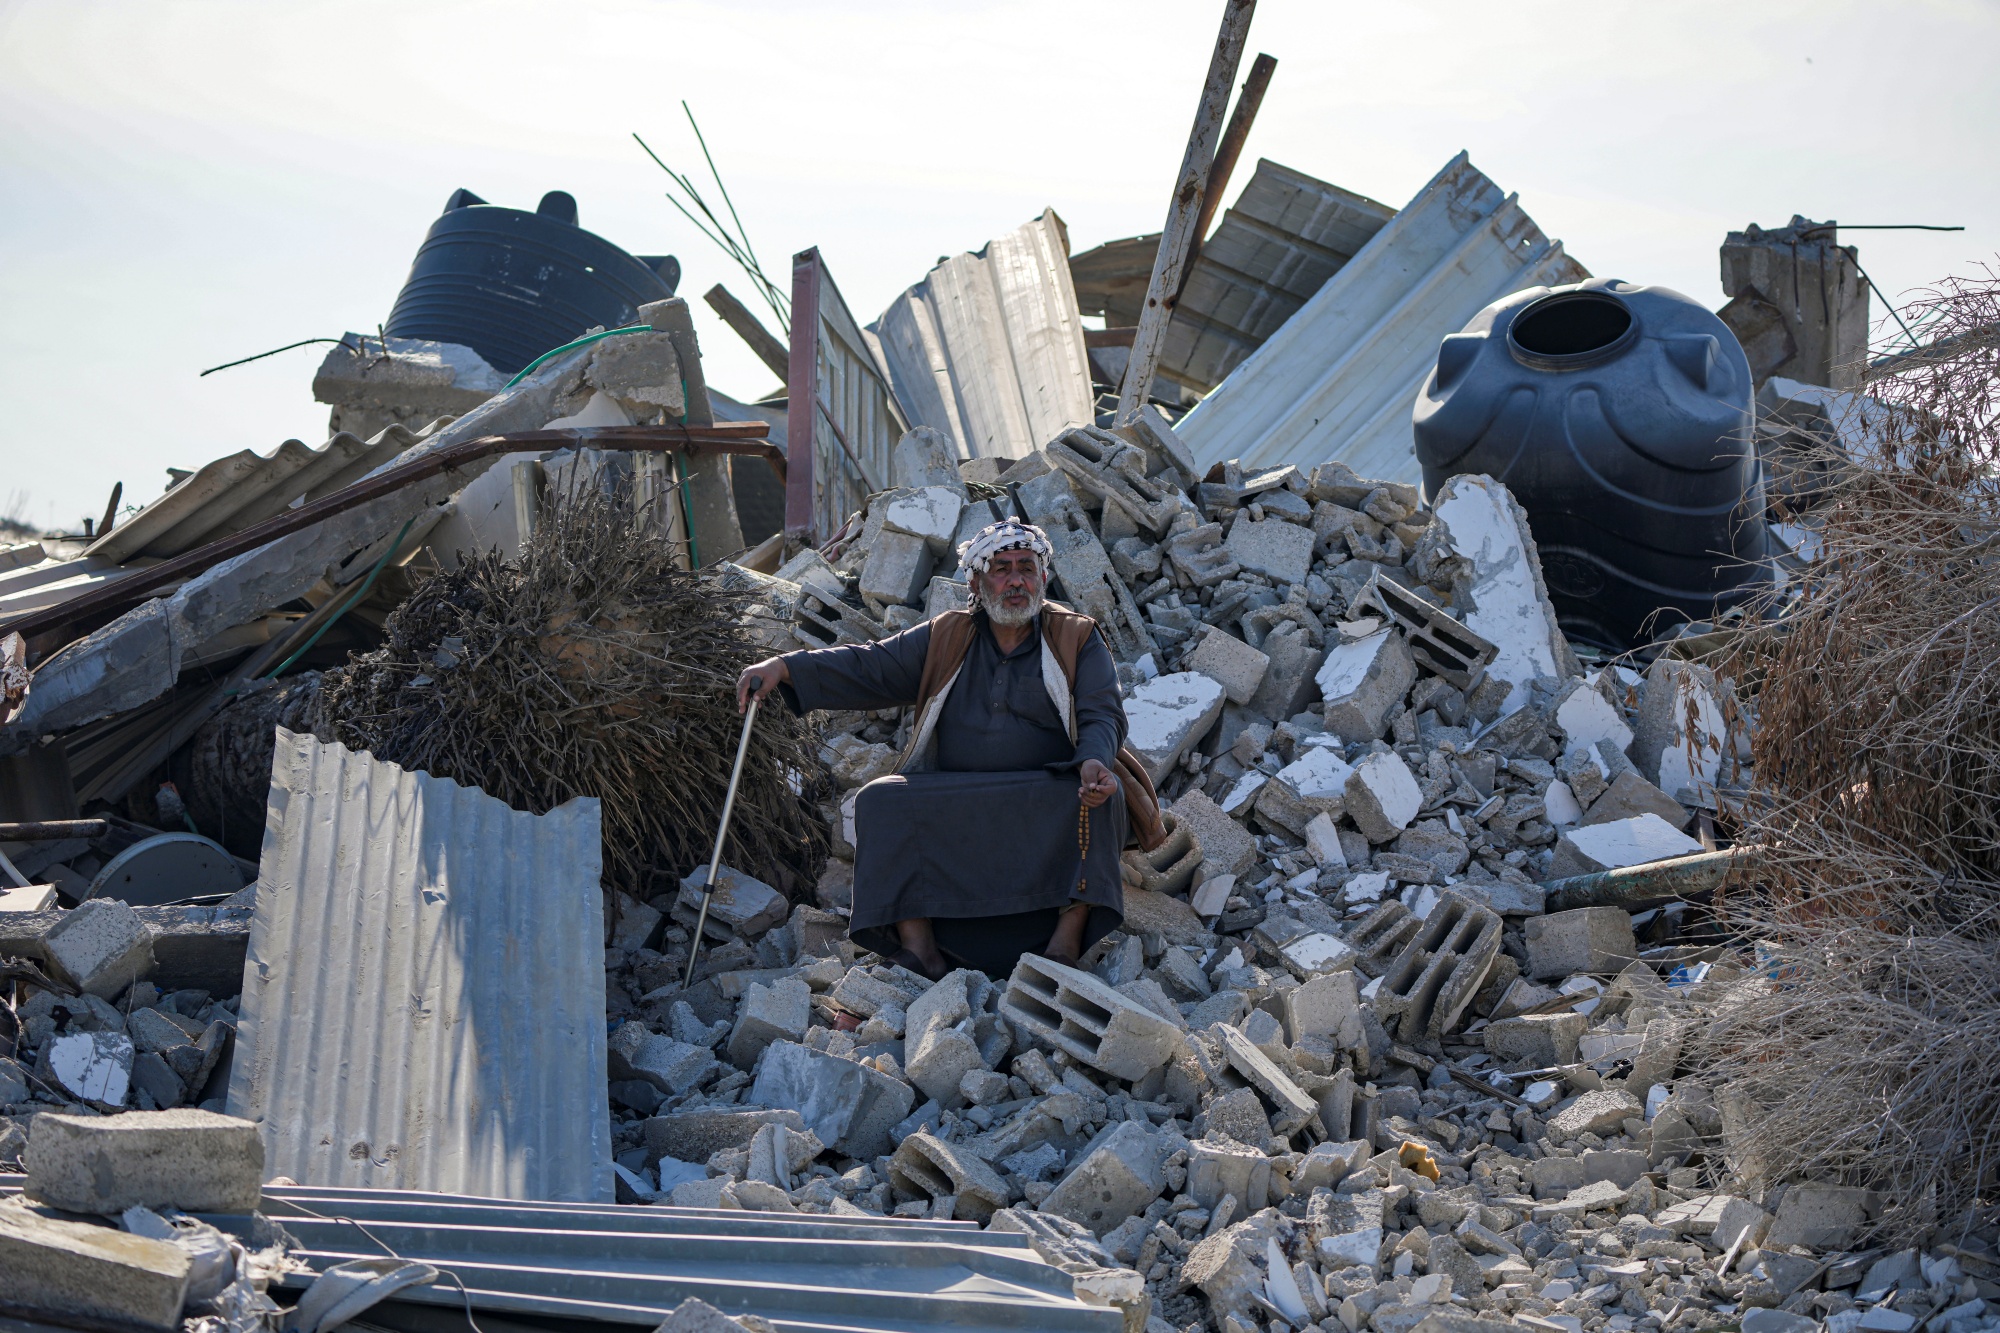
[
  {"x": 1361, "y": 681},
  {"x": 742, "y": 906},
  {"x": 100, "y": 948},
  {"x": 1118, "y": 1174},
  {"x": 1231, "y": 663},
  {"x": 1327, "y": 1005},
  {"x": 929, "y": 1168},
  {"x": 1313, "y": 784},
  {"x": 696, "y": 1136},
  {"x": 1436, "y": 974},
  {"x": 851, "y": 1106},
  {"x": 637, "y": 1052},
  {"x": 1075, "y": 1012},
  {"x": 1584, "y": 939},
  {"x": 1227, "y": 847},
  {"x": 781, "y": 1011},
  {"x": 1168, "y": 714},
  {"x": 1216, "y": 1169},
  {"x": 1280, "y": 551},
  {"x": 897, "y": 569},
  {"x": 1289, "y": 684},
  {"x": 1437, "y": 641},
  {"x": 74, "y": 1271},
  {"x": 188, "y": 1159},
  {"x": 1594, "y": 1113}
]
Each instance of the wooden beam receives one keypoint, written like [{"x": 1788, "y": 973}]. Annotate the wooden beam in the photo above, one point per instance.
[
  {"x": 1227, "y": 154},
  {"x": 762, "y": 341},
  {"x": 1121, "y": 337},
  {"x": 1184, "y": 208},
  {"x": 802, "y": 388}
]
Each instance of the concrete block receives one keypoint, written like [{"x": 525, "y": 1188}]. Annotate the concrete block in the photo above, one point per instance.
[
  {"x": 1534, "y": 1042},
  {"x": 1438, "y": 642},
  {"x": 101, "y": 947},
  {"x": 781, "y": 1011},
  {"x": 1673, "y": 752},
  {"x": 1434, "y": 977},
  {"x": 1075, "y": 1012},
  {"x": 154, "y": 1077},
  {"x": 1168, "y": 868},
  {"x": 1323, "y": 841},
  {"x": 1289, "y": 684},
  {"x": 1327, "y": 1005},
  {"x": 929, "y": 512},
  {"x": 641, "y": 367},
  {"x": 1218, "y": 1169},
  {"x": 1361, "y": 681},
  {"x": 696, "y": 1136},
  {"x": 1118, "y": 1174},
  {"x": 156, "y": 1030},
  {"x": 1554, "y": 1177},
  {"x": 851, "y": 1106},
  {"x": 1445, "y": 851},
  {"x": 931, "y": 1169},
  {"x": 1478, "y": 520},
  {"x": 927, "y": 457},
  {"x": 1381, "y": 936},
  {"x": 1594, "y": 1113},
  {"x": 1589, "y": 1197},
  {"x": 1621, "y": 842},
  {"x": 1721, "y": 1218},
  {"x": 1289, "y": 1107},
  {"x": 896, "y": 571},
  {"x": 1585, "y": 939},
  {"x": 636, "y": 1052},
  {"x": 938, "y": 1040},
  {"x": 1280, "y": 551},
  {"x": 742, "y": 907},
  {"x": 1238, "y": 1115},
  {"x": 1505, "y": 896},
  {"x": 93, "y": 1067},
  {"x": 635, "y": 925},
  {"x": 1230, "y": 663},
  {"x": 1313, "y": 784},
  {"x": 1349, "y": 1228},
  {"x": 187, "y": 1159},
  {"x": 1227, "y": 847},
  {"x": 1621, "y": 1166},
  {"x": 28, "y": 898},
  {"x": 1629, "y": 796},
  {"x": 97, "y": 1276},
  {"x": 1168, "y": 714},
  {"x": 695, "y": 1315},
  {"x": 1172, "y": 919},
  {"x": 1381, "y": 796},
  {"x": 1820, "y": 1217},
  {"x": 1316, "y": 952}
]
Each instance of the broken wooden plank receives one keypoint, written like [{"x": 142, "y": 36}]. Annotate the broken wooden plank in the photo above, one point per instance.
[{"x": 762, "y": 341}]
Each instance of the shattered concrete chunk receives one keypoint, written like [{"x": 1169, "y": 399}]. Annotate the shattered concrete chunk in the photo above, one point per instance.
[
  {"x": 1360, "y": 681},
  {"x": 1619, "y": 843},
  {"x": 1167, "y": 715},
  {"x": 742, "y": 907},
  {"x": 193, "y": 1160},
  {"x": 1118, "y": 1174},
  {"x": 1075, "y": 1012},
  {"x": 849, "y": 1105},
  {"x": 100, "y": 947},
  {"x": 924, "y": 1166},
  {"x": 73, "y": 1270},
  {"x": 1231, "y": 663},
  {"x": 1382, "y": 796},
  {"x": 1586, "y": 939}
]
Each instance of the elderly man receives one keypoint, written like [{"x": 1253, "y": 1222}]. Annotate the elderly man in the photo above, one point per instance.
[{"x": 998, "y": 835}]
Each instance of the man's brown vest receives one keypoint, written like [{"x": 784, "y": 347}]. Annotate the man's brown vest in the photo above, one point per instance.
[{"x": 1064, "y": 632}]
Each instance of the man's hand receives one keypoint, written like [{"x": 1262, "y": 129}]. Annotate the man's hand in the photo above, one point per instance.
[
  {"x": 1098, "y": 785},
  {"x": 767, "y": 674}
]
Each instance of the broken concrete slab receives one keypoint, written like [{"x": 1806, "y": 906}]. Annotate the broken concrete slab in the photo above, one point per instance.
[
  {"x": 71, "y": 1271},
  {"x": 1231, "y": 663},
  {"x": 1629, "y": 796},
  {"x": 1280, "y": 551},
  {"x": 697, "y": 1135},
  {"x": 939, "y": 1041},
  {"x": 192, "y": 1160},
  {"x": 1118, "y": 1173},
  {"x": 1680, "y": 731},
  {"x": 1594, "y": 1113},
  {"x": 635, "y": 1052},
  {"x": 1382, "y": 796},
  {"x": 1313, "y": 786},
  {"x": 1168, "y": 715},
  {"x": 742, "y": 906},
  {"x": 1504, "y": 599},
  {"x": 850, "y": 1105},
  {"x": 1587, "y": 849},
  {"x": 781, "y": 1011}
]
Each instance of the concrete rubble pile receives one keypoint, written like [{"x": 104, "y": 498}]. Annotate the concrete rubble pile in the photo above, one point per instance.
[{"x": 1340, "y": 1067}]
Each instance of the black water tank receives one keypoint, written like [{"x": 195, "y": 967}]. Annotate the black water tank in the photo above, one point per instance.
[
  {"x": 511, "y": 285},
  {"x": 1619, "y": 416}
]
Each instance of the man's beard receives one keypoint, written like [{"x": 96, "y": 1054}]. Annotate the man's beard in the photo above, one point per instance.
[{"x": 998, "y": 612}]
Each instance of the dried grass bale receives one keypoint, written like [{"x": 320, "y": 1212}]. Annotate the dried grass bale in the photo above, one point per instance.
[
  {"x": 590, "y": 667},
  {"x": 1874, "y": 1059}
]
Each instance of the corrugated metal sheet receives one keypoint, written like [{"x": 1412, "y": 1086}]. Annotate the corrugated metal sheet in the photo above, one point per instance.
[
  {"x": 988, "y": 348},
  {"x": 635, "y": 1264},
  {"x": 423, "y": 1001},
  {"x": 1338, "y": 380},
  {"x": 1287, "y": 234},
  {"x": 231, "y": 493},
  {"x": 856, "y": 419}
]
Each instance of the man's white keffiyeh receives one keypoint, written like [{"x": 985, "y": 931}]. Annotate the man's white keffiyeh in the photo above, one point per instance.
[{"x": 1009, "y": 534}]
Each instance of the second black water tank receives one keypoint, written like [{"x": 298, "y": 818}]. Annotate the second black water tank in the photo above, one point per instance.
[
  {"x": 512, "y": 284},
  {"x": 1619, "y": 416}
]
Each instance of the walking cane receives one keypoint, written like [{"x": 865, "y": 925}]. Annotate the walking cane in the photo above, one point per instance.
[{"x": 722, "y": 832}]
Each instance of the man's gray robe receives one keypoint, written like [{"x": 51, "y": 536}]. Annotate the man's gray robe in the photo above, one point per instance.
[{"x": 985, "y": 843}]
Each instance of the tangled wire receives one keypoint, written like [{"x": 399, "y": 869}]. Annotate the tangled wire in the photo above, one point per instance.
[
  {"x": 1875, "y": 1058},
  {"x": 593, "y": 666}
]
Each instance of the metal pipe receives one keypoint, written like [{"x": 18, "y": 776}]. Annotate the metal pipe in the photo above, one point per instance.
[
  {"x": 53, "y": 830},
  {"x": 1657, "y": 881},
  {"x": 722, "y": 830}
]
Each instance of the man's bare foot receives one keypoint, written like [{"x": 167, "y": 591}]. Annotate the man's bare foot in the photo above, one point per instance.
[
  {"x": 1055, "y": 953},
  {"x": 1065, "y": 946}
]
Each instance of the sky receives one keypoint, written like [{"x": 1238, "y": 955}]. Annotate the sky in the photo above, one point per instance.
[{"x": 185, "y": 182}]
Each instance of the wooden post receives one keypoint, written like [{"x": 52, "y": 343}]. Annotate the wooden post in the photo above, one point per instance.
[
  {"x": 752, "y": 331},
  {"x": 802, "y": 390},
  {"x": 1226, "y": 155},
  {"x": 1182, "y": 210}
]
